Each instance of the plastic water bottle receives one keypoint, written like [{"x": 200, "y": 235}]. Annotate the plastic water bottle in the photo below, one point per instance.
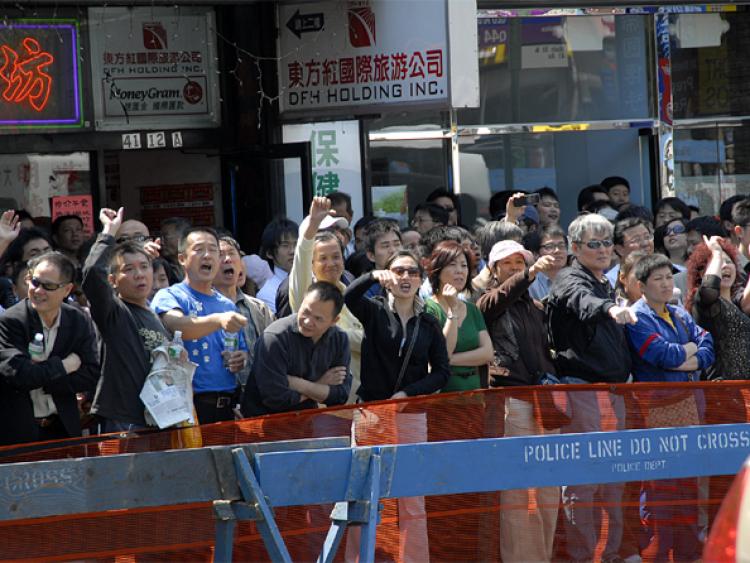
[
  {"x": 176, "y": 346},
  {"x": 36, "y": 348},
  {"x": 231, "y": 342}
]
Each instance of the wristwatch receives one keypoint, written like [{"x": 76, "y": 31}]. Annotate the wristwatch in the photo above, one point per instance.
[{"x": 450, "y": 315}]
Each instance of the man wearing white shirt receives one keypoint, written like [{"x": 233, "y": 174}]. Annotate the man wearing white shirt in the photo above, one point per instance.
[
  {"x": 278, "y": 242},
  {"x": 38, "y": 393}
]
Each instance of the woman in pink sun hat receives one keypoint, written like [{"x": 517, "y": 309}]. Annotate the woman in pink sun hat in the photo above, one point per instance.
[{"x": 516, "y": 326}]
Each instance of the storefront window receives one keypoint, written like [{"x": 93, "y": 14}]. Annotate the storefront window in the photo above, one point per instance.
[
  {"x": 491, "y": 164},
  {"x": 712, "y": 164},
  {"x": 404, "y": 173},
  {"x": 30, "y": 181},
  {"x": 711, "y": 64},
  {"x": 411, "y": 120},
  {"x": 563, "y": 161},
  {"x": 556, "y": 69}
]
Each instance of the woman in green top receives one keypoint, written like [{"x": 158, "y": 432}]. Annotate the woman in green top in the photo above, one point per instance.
[{"x": 466, "y": 337}]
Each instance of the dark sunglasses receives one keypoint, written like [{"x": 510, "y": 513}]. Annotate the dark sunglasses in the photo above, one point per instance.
[
  {"x": 411, "y": 272},
  {"x": 594, "y": 244},
  {"x": 134, "y": 238},
  {"x": 676, "y": 230},
  {"x": 47, "y": 286}
]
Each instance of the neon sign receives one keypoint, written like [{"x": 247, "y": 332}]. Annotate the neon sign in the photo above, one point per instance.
[
  {"x": 27, "y": 80},
  {"x": 40, "y": 83}
]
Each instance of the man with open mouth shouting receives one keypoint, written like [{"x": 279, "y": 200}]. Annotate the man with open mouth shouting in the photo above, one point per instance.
[{"x": 208, "y": 321}]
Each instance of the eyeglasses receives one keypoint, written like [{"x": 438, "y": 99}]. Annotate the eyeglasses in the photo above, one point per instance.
[
  {"x": 552, "y": 246},
  {"x": 134, "y": 238},
  {"x": 417, "y": 220},
  {"x": 638, "y": 241},
  {"x": 411, "y": 272},
  {"x": 595, "y": 244},
  {"x": 676, "y": 230},
  {"x": 47, "y": 286}
]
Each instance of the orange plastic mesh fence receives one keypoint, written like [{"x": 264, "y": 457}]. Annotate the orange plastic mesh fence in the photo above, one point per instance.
[{"x": 523, "y": 525}]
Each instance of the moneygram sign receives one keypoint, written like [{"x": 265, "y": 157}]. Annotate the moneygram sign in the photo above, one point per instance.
[
  {"x": 153, "y": 68},
  {"x": 346, "y": 57}
]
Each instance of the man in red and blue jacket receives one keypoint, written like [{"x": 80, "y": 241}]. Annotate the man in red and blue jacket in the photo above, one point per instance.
[{"x": 668, "y": 346}]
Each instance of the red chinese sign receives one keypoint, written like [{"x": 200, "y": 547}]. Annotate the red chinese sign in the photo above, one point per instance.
[
  {"x": 25, "y": 76},
  {"x": 40, "y": 75},
  {"x": 365, "y": 69},
  {"x": 80, "y": 205}
]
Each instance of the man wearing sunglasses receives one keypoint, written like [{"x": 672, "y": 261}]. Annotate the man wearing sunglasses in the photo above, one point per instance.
[
  {"x": 589, "y": 346},
  {"x": 117, "y": 281},
  {"x": 38, "y": 394}
]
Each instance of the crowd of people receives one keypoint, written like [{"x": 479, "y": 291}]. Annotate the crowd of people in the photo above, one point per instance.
[{"x": 333, "y": 311}]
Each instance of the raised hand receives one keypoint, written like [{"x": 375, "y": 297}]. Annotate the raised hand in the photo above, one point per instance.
[
  {"x": 111, "y": 220},
  {"x": 543, "y": 264},
  {"x": 232, "y": 321},
  {"x": 450, "y": 294},
  {"x": 386, "y": 278},
  {"x": 512, "y": 213},
  {"x": 152, "y": 248},
  {"x": 713, "y": 244},
  {"x": 320, "y": 208},
  {"x": 622, "y": 315},
  {"x": 9, "y": 227}
]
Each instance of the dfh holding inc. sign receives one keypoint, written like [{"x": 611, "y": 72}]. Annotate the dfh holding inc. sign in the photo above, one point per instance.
[{"x": 365, "y": 53}]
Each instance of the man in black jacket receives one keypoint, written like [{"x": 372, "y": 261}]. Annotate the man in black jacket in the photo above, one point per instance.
[
  {"x": 302, "y": 359},
  {"x": 117, "y": 281},
  {"x": 589, "y": 345},
  {"x": 38, "y": 394}
]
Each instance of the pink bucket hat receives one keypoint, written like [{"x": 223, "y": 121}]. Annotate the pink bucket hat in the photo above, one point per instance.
[{"x": 506, "y": 248}]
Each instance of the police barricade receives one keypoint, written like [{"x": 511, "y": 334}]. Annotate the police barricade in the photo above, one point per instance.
[{"x": 474, "y": 476}]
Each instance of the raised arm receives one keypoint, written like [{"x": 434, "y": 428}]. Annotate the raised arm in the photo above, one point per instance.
[
  {"x": 300, "y": 276},
  {"x": 9, "y": 229}
]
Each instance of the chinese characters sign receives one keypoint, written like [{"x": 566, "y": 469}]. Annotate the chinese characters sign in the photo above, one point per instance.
[
  {"x": 39, "y": 74},
  {"x": 194, "y": 202},
  {"x": 364, "y": 53},
  {"x": 336, "y": 163},
  {"x": 80, "y": 205},
  {"x": 153, "y": 65}
]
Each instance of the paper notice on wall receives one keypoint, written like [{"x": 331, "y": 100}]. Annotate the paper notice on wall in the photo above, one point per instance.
[
  {"x": 79, "y": 205},
  {"x": 544, "y": 56}
]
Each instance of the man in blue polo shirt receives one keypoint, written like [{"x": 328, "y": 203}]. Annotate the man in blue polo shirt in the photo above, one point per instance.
[{"x": 205, "y": 318}]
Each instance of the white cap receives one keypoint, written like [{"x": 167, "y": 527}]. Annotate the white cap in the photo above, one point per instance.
[
  {"x": 328, "y": 222},
  {"x": 506, "y": 248}
]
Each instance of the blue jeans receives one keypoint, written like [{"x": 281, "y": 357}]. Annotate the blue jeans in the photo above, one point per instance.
[{"x": 582, "y": 520}]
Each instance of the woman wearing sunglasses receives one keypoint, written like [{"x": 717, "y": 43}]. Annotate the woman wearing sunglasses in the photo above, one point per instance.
[
  {"x": 403, "y": 355},
  {"x": 403, "y": 351},
  {"x": 670, "y": 239},
  {"x": 468, "y": 342}
]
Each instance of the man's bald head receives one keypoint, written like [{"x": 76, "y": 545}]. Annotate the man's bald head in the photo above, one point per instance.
[{"x": 131, "y": 229}]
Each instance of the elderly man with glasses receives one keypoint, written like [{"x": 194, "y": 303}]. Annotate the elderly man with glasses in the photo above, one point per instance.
[
  {"x": 589, "y": 346},
  {"x": 48, "y": 354}
]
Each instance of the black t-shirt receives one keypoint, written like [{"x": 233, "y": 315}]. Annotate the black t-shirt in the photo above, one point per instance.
[{"x": 129, "y": 334}]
